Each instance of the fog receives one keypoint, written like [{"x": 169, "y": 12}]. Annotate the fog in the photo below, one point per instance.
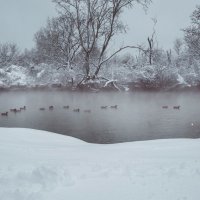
[{"x": 139, "y": 115}]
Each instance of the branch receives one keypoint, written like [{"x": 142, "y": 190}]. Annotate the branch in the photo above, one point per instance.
[{"x": 122, "y": 48}]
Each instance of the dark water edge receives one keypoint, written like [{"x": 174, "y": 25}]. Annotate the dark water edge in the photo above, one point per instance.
[{"x": 130, "y": 87}]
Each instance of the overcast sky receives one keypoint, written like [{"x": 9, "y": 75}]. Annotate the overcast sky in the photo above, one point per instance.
[{"x": 20, "y": 19}]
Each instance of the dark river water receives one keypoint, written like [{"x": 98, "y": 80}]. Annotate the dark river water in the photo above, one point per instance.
[{"x": 139, "y": 116}]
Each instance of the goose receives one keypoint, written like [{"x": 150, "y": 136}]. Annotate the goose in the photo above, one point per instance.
[
  {"x": 66, "y": 107},
  {"x": 104, "y": 107},
  {"x": 76, "y": 110},
  {"x": 176, "y": 107},
  {"x": 115, "y": 106},
  {"x": 42, "y": 109},
  {"x": 165, "y": 107},
  {"x": 87, "y": 111},
  {"x": 51, "y": 107},
  {"x": 23, "y": 108},
  {"x": 17, "y": 110},
  {"x": 4, "y": 114}
]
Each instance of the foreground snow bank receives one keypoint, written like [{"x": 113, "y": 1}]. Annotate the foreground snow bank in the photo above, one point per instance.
[{"x": 37, "y": 165}]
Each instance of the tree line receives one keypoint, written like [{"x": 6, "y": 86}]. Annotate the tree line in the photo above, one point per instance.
[{"x": 80, "y": 36}]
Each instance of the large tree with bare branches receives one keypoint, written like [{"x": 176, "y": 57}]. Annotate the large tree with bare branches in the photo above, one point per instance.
[
  {"x": 192, "y": 34},
  {"x": 97, "y": 22},
  {"x": 57, "y": 42}
]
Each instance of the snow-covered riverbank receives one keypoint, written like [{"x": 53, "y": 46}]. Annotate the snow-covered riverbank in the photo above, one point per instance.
[
  {"x": 147, "y": 77},
  {"x": 37, "y": 165}
]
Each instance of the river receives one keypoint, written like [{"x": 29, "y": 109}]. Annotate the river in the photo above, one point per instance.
[{"x": 139, "y": 115}]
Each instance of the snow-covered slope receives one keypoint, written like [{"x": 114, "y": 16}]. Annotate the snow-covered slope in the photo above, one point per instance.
[
  {"x": 37, "y": 165},
  {"x": 40, "y": 75}
]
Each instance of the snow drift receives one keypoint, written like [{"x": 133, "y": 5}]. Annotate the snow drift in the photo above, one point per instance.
[{"x": 37, "y": 165}]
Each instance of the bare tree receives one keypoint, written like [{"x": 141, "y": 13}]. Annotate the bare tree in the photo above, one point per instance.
[
  {"x": 97, "y": 22},
  {"x": 8, "y": 54},
  {"x": 57, "y": 42},
  {"x": 169, "y": 57},
  {"x": 178, "y": 44},
  {"x": 192, "y": 34},
  {"x": 151, "y": 42}
]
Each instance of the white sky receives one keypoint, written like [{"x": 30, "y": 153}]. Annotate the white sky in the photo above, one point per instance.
[{"x": 20, "y": 19}]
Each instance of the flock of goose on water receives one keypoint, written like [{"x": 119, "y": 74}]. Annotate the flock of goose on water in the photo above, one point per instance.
[
  {"x": 16, "y": 110},
  {"x": 174, "y": 107}
]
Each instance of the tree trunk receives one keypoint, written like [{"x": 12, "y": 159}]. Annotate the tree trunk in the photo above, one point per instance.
[
  {"x": 150, "y": 50},
  {"x": 97, "y": 71},
  {"x": 86, "y": 65}
]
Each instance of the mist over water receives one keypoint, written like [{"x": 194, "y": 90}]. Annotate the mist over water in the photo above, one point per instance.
[{"x": 139, "y": 116}]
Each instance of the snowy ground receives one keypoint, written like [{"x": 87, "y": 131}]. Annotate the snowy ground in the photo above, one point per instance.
[
  {"x": 37, "y": 165},
  {"x": 47, "y": 75}
]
